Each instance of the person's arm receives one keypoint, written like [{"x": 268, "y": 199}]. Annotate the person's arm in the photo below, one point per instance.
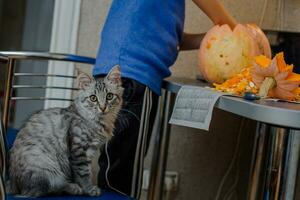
[{"x": 216, "y": 12}]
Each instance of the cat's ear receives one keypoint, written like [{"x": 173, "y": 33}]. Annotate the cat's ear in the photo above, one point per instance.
[
  {"x": 114, "y": 75},
  {"x": 83, "y": 80}
]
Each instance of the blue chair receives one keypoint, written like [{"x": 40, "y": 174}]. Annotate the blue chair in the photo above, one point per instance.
[{"x": 7, "y": 135}]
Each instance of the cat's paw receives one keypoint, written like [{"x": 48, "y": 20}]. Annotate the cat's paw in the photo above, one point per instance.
[
  {"x": 94, "y": 191},
  {"x": 74, "y": 189}
]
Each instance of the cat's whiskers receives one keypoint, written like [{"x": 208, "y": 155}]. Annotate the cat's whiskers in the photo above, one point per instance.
[
  {"x": 131, "y": 103},
  {"x": 130, "y": 112}
]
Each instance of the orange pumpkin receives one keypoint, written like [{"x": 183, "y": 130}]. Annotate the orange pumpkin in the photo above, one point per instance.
[
  {"x": 225, "y": 52},
  {"x": 275, "y": 78},
  {"x": 260, "y": 39}
]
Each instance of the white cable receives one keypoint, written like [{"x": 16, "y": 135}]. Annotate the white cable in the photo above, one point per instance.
[
  {"x": 230, "y": 196},
  {"x": 263, "y": 13},
  {"x": 282, "y": 14},
  {"x": 167, "y": 196},
  {"x": 2, "y": 189},
  {"x": 232, "y": 162},
  {"x": 130, "y": 112},
  {"x": 230, "y": 192},
  {"x": 279, "y": 13},
  {"x": 107, "y": 169}
]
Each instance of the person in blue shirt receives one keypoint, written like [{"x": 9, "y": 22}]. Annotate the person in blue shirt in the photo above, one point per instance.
[{"x": 143, "y": 37}]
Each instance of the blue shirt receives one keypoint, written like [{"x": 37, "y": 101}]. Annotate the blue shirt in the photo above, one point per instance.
[{"x": 142, "y": 36}]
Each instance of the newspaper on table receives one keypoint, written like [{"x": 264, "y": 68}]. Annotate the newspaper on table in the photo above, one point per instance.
[{"x": 194, "y": 106}]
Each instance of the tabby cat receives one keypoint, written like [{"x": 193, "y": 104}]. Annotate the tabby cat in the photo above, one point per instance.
[{"x": 52, "y": 153}]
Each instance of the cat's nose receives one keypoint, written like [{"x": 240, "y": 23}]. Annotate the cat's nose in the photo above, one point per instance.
[{"x": 102, "y": 108}]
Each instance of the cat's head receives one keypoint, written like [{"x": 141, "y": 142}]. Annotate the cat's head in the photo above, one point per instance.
[{"x": 99, "y": 97}]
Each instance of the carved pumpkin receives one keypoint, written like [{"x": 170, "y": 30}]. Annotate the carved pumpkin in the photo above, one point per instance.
[
  {"x": 261, "y": 40},
  {"x": 267, "y": 78},
  {"x": 275, "y": 78},
  {"x": 224, "y": 53}
]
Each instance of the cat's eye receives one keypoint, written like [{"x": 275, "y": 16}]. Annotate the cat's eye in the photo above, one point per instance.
[
  {"x": 109, "y": 96},
  {"x": 93, "y": 98}
]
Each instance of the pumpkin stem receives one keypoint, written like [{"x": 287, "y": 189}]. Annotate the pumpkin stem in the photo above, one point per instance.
[{"x": 267, "y": 85}]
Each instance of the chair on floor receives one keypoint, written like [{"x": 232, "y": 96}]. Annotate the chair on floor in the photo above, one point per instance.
[{"x": 7, "y": 135}]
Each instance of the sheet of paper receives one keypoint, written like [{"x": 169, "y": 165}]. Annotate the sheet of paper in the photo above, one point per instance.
[{"x": 194, "y": 106}]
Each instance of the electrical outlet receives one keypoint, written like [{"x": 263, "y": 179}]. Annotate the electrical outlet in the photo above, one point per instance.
[
  {"x": 146, "y": 179},
  {"x": 171, "y": 180}
]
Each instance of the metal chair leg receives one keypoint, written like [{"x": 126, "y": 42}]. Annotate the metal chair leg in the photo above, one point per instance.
[
  {"x": 7, "y": 94},
  {"x": 2, "y": 189}
]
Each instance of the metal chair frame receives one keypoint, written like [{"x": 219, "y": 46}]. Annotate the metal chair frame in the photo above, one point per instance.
[{"x": 12, "y": 57}]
